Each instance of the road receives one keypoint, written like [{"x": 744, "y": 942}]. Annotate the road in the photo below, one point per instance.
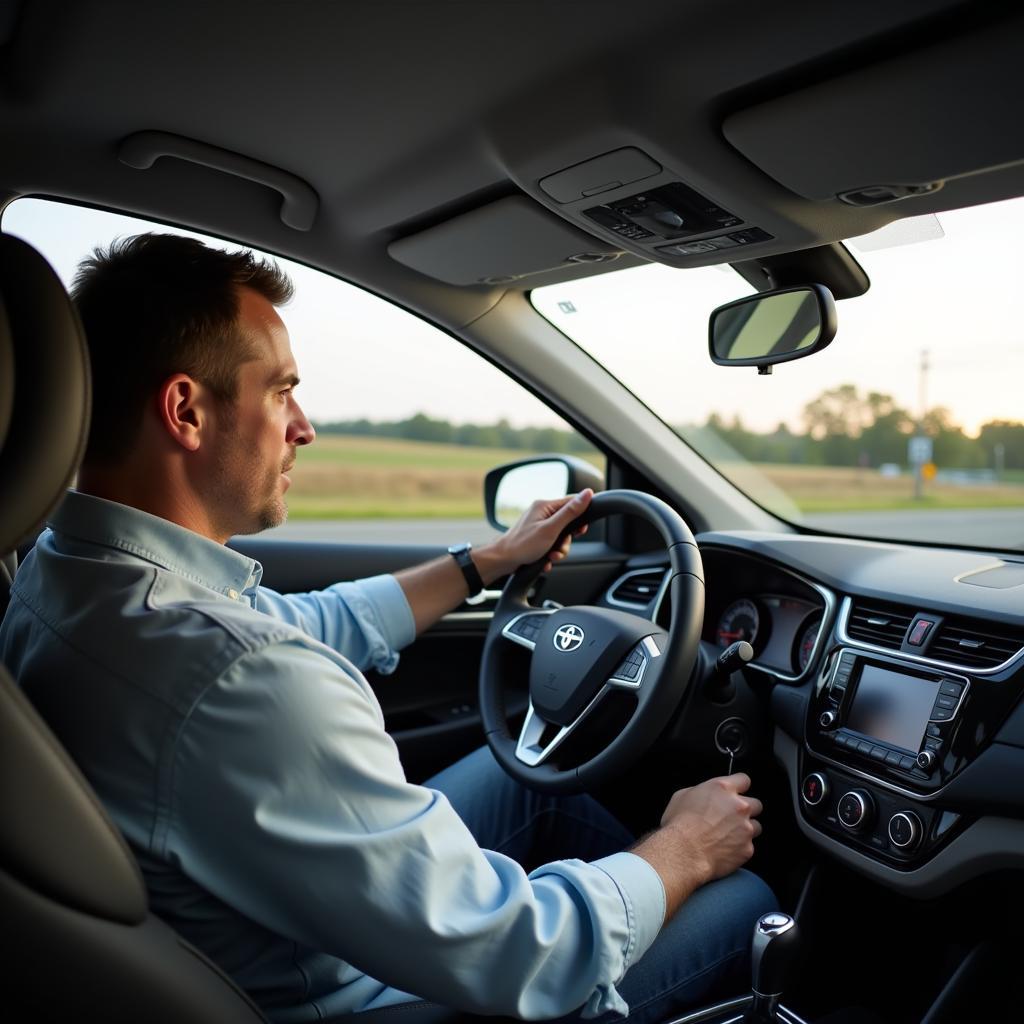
[{"x": 996, "y": 528}]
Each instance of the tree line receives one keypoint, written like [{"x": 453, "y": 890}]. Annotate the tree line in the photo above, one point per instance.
[
  {"x": 494, "y": 435},
  {"x": 842, "y": 427}
]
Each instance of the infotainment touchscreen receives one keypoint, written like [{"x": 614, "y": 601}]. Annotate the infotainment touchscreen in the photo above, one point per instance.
[{"x": 892, "y": 707}]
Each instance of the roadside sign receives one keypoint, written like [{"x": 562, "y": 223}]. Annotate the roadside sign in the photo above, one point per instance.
[
  {"x": 919, "y": 450},
  {"x": 928, "y": 471}
]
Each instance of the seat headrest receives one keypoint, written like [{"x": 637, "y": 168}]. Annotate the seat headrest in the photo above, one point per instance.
[{"x": 44, "y": 390}]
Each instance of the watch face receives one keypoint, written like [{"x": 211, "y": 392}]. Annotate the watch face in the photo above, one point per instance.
[{"x": 458, "y": 549}]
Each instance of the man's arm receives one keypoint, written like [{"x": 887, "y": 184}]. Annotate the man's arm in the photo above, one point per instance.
[{"x": 436, "y": 587}]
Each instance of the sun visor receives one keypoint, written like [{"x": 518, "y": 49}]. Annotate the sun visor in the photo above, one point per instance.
[
  {"x": 911, "y": 122},
  {"x": 499, "y": 243}
]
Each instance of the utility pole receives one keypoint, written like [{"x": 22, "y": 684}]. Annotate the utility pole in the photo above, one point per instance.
[{"x": 921, "y": 453}]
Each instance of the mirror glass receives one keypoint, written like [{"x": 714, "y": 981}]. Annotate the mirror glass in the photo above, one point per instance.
[
  {"x": 523, "y": 485},
  {"x": 766, "y": 326}
]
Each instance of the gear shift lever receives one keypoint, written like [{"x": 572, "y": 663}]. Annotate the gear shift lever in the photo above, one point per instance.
[{"x": 772, "y": 955}]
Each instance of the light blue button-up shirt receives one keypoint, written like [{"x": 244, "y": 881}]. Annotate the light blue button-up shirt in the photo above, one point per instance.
[{"x": 230, "y": 733}]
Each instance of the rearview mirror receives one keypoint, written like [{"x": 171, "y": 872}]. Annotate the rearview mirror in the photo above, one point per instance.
[
  {"x": 509, "y": 490},
  {"x": 773, "y": 327}
]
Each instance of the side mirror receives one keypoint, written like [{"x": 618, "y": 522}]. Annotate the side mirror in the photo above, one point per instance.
[
  {"x": 772, "y": 327},
  {"x": 509, "y": 490}
]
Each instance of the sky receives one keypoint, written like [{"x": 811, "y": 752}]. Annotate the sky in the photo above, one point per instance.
[{"x": 954, "y": 295}]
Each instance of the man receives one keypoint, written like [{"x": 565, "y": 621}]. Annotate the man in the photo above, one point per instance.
[{"x": 235, "y": 741}]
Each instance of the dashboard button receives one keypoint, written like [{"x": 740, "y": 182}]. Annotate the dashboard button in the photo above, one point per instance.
[
  {"x": 951, "y": 689},
  {"x": 855, "y": 809},
  {"x": 905, "y": 830},
  {"x": 941, "y": 715},
  {"x": 863, "y": 747},
  {"x": 907, "y": 763},
  {"x": 933, "y": 730},
  {"x": 878, "y": 753},
  {"x": 893, "y": 758},
  {"x": 946, "y": 702},
  {"x": 814, "y": 789}
]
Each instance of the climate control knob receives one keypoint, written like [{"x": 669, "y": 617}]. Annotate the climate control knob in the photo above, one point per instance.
[
  {"x": 814, "y": 789},
  {"x": 905, "y": 830},
  {"x": 856, "y": 810}
]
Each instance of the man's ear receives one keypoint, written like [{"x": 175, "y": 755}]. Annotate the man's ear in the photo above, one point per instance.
[{"x": 180, "y": 406}]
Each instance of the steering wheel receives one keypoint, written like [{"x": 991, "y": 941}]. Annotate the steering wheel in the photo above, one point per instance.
[{"x": 582, "y": 653}]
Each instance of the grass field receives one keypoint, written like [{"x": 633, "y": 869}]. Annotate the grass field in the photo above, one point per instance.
[{"x": 372, "y": 478}]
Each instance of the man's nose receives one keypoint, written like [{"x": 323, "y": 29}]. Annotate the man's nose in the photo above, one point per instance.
[{"x": 300, "y": 430}]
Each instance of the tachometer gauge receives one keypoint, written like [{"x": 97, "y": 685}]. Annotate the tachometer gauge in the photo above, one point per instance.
[
  {"x": 805, "y": 646},
  {"x": 740, "y": 621}
]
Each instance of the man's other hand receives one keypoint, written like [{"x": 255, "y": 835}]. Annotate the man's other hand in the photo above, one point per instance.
[
  {"x": 707, "y": 832},
  {"x": 542, "y": 531}
]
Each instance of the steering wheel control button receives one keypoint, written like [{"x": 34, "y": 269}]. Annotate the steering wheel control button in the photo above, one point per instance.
[
  {"x": 525, "y": 628},
  {"x": 855, "y": 809},
  {"x": 814, "y": 789},
  {"x": 905, "y": 830}
]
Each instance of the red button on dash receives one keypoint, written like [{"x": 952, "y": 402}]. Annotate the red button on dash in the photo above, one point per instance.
[{"x": 919, "y": 632}]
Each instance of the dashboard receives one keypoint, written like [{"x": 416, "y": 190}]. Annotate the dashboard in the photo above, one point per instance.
[{"x": 896, "y": 676}]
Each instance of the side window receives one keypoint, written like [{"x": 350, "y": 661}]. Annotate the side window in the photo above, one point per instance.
[{"x": 408, "y": 419}]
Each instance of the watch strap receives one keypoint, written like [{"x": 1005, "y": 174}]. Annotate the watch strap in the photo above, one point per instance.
[{"x": 464, "y": 560}]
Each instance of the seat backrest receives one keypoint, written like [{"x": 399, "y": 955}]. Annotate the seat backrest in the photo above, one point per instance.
[{"x": 79, "y": 942}]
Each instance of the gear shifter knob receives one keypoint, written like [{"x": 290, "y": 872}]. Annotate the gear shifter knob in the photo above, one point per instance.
[{"x": 772, "y": 955}]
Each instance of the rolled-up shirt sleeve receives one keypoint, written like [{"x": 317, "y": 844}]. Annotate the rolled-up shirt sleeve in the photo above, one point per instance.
[
  {"x": 368, "y": 621},
  {"x": 291, "y": 805}
]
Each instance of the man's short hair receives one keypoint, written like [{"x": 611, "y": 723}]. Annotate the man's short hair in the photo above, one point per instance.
[{"x": 154, "y": 305}]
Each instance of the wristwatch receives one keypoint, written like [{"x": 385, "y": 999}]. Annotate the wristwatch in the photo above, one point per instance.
[{"x": 461, "y": 554}]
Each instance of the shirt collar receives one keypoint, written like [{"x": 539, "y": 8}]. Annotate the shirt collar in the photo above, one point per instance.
[{"x": 109, "y": 524}]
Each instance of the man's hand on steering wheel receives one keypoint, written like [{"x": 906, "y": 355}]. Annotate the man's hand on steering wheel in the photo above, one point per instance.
[{"x": 542, "y": 531}]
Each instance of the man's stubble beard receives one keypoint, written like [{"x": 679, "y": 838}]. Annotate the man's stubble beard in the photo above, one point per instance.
[{"x": 245, "y": 507}]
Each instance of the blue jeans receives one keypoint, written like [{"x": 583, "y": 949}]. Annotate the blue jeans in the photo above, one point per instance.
[{"x": 702, "y": 954}]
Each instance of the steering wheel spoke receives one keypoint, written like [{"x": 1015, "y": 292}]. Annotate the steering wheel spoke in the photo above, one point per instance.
[{"x": 539, "y": 739}]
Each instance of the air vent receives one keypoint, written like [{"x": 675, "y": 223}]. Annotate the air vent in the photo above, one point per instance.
[
  {"x": 637, "y": 588},
  {"x": 879, "y": 623},
  {"x": 975, "y": 644}
]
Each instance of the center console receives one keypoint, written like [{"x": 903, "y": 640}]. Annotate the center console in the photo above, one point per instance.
[{"x": 883, "y": 737}]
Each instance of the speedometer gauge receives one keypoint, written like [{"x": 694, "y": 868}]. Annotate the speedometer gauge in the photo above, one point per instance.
[
  {"x": 808, "y": 638},
  {"x": 740, "y": 621}
]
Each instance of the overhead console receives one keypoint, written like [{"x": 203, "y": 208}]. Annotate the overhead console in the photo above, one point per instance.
[{"x": 628, "y": 196}]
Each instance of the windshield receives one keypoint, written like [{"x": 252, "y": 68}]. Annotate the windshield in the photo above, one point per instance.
[{"x": 907, "y": 427}]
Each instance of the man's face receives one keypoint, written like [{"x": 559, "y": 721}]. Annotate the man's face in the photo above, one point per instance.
[{"x": 255, "y": 437}]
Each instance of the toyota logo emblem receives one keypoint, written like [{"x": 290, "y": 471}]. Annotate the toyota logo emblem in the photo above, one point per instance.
[{"x": 568, "y": 637}]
